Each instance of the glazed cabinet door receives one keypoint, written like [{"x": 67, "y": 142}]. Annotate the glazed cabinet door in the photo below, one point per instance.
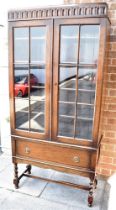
[
  {"x": 77, "y": 80},
  {"x": 30, "y": 70}
]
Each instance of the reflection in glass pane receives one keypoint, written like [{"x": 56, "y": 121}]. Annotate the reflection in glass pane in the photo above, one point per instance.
[
  {"x": 69, "y": 43},
  {"x": 21, "y": 114},
  {"x": 38, "y": 44},
  {"x": 37, "y": 116},
  {"x": 67, "y": 109},
  {"x": 21, "y": 84},
  {"x": 67, "y": 77},
  {"x": 39, "y": 72},
  {"x": 21, "y": 45},
  {"x": 66, "y": 126},
  {"x": 67, "y": 95},
  {"x": 89, "y": 44},
  {"x": 85, "y": 111},
  {"x": 86, "y": 97},
  {"x": 37, "y": 93},
  {"x": 84, "y": 129},
  {"x": 86, "y": 85}
]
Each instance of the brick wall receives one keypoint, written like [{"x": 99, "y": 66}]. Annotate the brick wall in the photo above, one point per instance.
[{"x": 107, "y": 163}]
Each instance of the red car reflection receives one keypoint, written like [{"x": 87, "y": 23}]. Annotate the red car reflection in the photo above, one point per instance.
[{"x": 21, "y": 84}]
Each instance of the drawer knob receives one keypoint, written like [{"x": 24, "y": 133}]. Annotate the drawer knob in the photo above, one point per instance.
[
  {"x": 76, "y": 159},
  {"x": 27, "y": 150}
]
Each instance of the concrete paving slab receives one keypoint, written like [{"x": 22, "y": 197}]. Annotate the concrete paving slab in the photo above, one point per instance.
[
  {"x": 17, "y": 201},
  {"x": 70, "y": 196},
  {"x": 27, "y": 185}
]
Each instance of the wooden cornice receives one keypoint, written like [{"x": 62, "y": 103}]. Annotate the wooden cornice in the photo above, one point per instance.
[{"x": 63, "y": 11}]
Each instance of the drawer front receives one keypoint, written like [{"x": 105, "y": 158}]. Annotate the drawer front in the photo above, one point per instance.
[{"x": 55, "y": 153}]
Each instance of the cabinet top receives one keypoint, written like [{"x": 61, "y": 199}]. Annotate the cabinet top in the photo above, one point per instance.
[{"x": 63, "y": 11}]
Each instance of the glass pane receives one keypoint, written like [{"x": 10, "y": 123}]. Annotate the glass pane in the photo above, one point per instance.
[
  {"x": 86, "y": 85},
  {"x": 85, "y": 111},
  {"x": 21, "y": 85},
  {"x": 67, "y": 109},
  {"x": 21, "y": 113},
  {"x": 37, "y": 82},
  {"x": 67, "y": 77},
  {"x": 21, "y": 45},
  {"x": 69, "y": 44},
  {"x": 37, "y": 116},
  {"x": 67, "y": 95},
  {"x": 66, "y": 127},
  {"x": 89, "y": 44},
  {"x": 86, "y": 97},
  {"x": 39, "y": 72},
  {"x": 84, "y": 129},
  {"x": 38, "y": 44},
  {"x": 37, "y": 94}
]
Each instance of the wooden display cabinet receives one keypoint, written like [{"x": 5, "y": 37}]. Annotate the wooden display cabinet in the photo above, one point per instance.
[{"x": 56, "y": 65}]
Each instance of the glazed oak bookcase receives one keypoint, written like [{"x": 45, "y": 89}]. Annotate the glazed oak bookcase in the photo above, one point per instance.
[{"x": 56, "y": 65}]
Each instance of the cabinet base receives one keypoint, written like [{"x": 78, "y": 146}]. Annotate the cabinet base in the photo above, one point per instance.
[{"x": 27, "y": 173}]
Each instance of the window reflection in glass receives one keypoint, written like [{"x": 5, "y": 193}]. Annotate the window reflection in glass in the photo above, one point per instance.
[
  {"x": 38, "y": 44},
  {"x": 21, "y": 80},
  {"x": 37, "y": 116},
  {"x": 21, "y": 45},
  {"x": 84, "y": 128},
  {"x": 66, "y": 126},
  {"x": 69, "y": 44},
  {"x": 66, "y": 109},
  {"x": 29, "y": 78},
  {"x": 85, "y": 103},
  {"x": 38, "y": 86},
  {"x": 89, "y": 44},
  {"x": 22, "y": 114}
]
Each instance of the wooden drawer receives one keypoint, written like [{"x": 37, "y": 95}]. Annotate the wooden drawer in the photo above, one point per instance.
[{"x": 60, "y": 154}]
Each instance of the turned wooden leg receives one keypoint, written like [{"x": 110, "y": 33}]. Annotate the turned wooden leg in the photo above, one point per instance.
[
  {"x": 15, "y": 180},
  {"x": 90, "y": 196},
  {"x": 29, "y": 169},
  {"x": 95, "y": 182}
]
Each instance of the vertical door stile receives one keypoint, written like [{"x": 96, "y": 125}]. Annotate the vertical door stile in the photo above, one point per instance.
[{"x": 78, "y": 51}]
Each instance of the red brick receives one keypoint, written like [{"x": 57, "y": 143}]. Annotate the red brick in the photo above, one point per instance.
[
  {"x": 112, "y": 92},
  {"x": 110, "y": 85},
  {"x": 105, "y": 159},
  {"x": 109, "y": 99},
  {"x": 107, "y": 166},
  {"x": 105, "y": 172},
  {"x": 114, "y": 61},
  {"x": 110, "y": 134},
  {"x": 111, "y": 121},
  {"x": 112, "y": 107},
  {"x": 110, "y": 114},
  {"x": 109, "y": 154},
  {"x": 112, "y": 38},
  {"x": 114, "y": 161},
  {"x": 110, "y": 140},
  {"x": 113, "y": 77},
  {"x": 113, "y": 6},
  {"x": 108, "y": 147},
  {"x": 109, "y": 127},
  {"x": 112, "y": 54},
  {"x": 111, "y": 69},
  {"x": 113, "y": 47}
]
